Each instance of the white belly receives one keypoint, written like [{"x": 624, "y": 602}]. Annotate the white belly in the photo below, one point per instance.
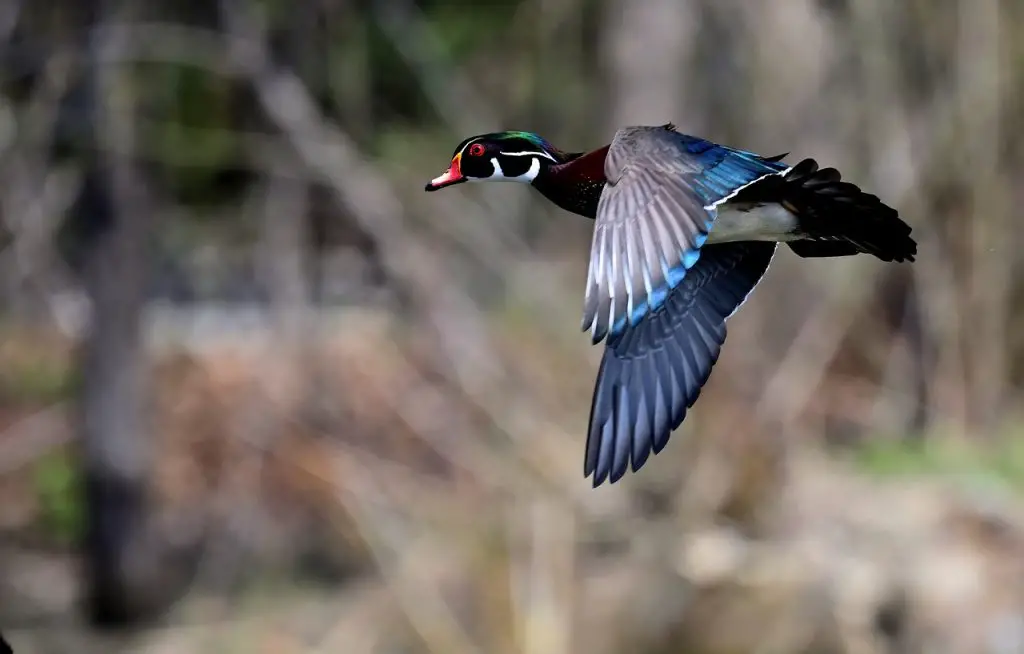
[{"x": 768, "y": 222}]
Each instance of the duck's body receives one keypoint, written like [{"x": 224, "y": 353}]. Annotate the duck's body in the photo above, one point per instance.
[{"x": 684, "y": 230}]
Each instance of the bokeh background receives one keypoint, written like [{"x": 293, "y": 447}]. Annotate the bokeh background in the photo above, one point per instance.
[{"x": 260, "y": 393}]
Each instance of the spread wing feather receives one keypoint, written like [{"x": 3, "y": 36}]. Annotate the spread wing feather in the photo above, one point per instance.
[
  {"x": 653, "y": 372},
  {"x": 653, "y": 217}
]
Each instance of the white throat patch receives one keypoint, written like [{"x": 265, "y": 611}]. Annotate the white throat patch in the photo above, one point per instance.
[{"x": 526, "y": 178}]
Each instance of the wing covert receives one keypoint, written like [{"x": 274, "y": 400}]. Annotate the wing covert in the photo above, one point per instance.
[{"x": 653, "y": 217}]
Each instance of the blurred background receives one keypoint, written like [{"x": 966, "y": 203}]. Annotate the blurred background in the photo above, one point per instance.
[{"x": 260, "y": 393}]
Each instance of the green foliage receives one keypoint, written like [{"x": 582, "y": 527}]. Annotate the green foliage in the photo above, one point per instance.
[
  {"x": 38, "y": 381},
  {"x": 197, "y": 135},
  {"x": 41, "y": 384},
  {"x": 465, "y": 31},
  {"x": 57, "y": 485},
  {"x": 997, "y": 463}
]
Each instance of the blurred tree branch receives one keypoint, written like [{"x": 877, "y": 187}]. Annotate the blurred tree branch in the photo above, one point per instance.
[
  {"x": 646, "y": 89},
  {"x": 9, "y": 14},
  {"x": 126, "y": 563},
  {"x": 917, "y": 101},
  {"x": 35, "y": 193},
  {"x": 456, "y": 326}
]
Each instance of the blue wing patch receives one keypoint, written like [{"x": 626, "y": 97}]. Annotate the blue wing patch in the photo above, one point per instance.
[
  {"x": 725, "y": 169},
  {"x": 649, "y": 236}
]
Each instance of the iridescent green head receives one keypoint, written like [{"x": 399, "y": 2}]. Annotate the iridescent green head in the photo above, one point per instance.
[{"x": 499, "y": 157}]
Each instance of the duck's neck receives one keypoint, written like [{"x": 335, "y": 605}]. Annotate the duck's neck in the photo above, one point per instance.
[{"x": 575, "y": 184}]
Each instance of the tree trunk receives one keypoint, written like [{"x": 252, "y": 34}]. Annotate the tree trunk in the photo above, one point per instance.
[
  {"x": 648, "y": 44},
  {"x": 116, "y": 444}
]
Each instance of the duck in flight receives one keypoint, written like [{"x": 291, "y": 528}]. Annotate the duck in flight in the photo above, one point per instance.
[{"x": 684, "y": 230}]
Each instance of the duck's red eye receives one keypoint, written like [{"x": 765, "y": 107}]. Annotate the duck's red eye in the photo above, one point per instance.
[{"x": 476, "y": 149}]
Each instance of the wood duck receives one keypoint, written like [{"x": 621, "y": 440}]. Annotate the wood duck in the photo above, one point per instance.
[{"x": 684, "y": 230}]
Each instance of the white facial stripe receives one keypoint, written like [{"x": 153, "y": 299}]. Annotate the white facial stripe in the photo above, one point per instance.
[{"x": 530, "y": 154}]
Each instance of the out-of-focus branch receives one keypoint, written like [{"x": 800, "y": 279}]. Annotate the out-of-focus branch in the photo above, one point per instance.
[
  {"x": 332, "y": 157},
  {"x": 646, "y": 89},
  {"x": 800, "y": 372},
  {"x": 132, "y": 572},
  {"x": 980, "y": 91},
  {"x": 449, "y": 90},
  {"x": 10, "y": 12},
  {"x": 233, "y": 54},
  {"x": 285, "y": 205},
  {"x": 431, "y": 617},
  {"x": 35, "y": 193},
  {"x": 32, "y": 437}
]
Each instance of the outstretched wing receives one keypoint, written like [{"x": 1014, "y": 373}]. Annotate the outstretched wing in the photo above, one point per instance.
[
  {"x": 654, "y": 215},
  {"x": 653, "y": 372}
]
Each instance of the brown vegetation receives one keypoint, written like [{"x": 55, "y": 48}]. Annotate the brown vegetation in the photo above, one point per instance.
[{"x": 364, "y": 410}]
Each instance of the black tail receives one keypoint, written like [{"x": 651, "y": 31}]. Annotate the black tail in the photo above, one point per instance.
[{"x": 836, "y": 218}]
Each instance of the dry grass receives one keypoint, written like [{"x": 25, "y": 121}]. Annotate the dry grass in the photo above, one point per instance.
[{"x": 401, "y": 471}]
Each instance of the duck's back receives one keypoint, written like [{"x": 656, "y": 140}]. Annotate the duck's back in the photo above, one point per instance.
[{"x": 715, "y": 171}]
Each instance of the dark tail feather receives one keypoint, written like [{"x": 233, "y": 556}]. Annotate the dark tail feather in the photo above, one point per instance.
[
  {"x": 836, "y": 218},
  {"x": 818, "y": 249},
  {"x": 832, "y": 211}
]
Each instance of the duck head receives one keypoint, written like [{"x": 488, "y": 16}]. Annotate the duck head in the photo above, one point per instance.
[{"x": 499, "y": 157}]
